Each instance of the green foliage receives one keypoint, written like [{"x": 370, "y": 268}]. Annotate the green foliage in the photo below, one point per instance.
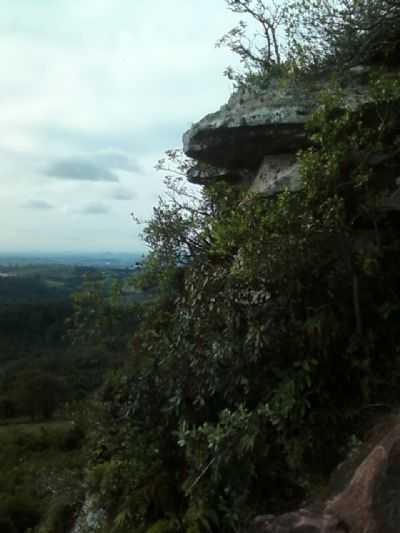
[
  {"x": 7, "y": 525},
  {"x": 40, "y": 475},
  {"x": 274, "y": 305},
  {"x": 101, "y": 316},
  {"x": 39, "y": 368},
  {"x": 268, "y": 320},
  {"x": 165, "y": 525},
  {"x": 21, "y": 511},
  {"x": 39, "y": 394},
  {"x": 59, "y": 515},
  {"x": 291, "y": 38}
]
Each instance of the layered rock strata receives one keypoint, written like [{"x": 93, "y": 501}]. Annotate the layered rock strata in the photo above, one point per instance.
[{"x": 253, "y": 139}]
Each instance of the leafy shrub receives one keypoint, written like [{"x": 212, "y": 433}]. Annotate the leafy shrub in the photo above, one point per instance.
[
  {"x": 7, "y": 525},
  {"x": 59, "y": 517},
  {"x": 21, "y": 510},
  {"x": 272, "y": 305},
  {"x": 72, "y": 439},
  {"x": 299, "y": 37}
]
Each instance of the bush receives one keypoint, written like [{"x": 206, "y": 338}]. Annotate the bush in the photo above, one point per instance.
[
  {"x": 60, "y": 516},
  {"x": 296, "y": 37},
  {"x": 7, "y": 525},
  {"x": 72, "y": 439},
  {"x": 22, "y": 510},
  {"x": 235, "y": 371}
]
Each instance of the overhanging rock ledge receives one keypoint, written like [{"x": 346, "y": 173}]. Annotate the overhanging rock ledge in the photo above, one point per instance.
[{"x": 256, "y": 124}]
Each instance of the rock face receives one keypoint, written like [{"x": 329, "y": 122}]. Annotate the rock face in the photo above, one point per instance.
[
  {"x": 369, "y": 503},
  {"x": 259, "y": 132},
  {"x": 277, "y": 172},
  {"x": 92, "y": 517},
  {"x": 252, "y": 140},
  {"x": 203, "y": 173}
]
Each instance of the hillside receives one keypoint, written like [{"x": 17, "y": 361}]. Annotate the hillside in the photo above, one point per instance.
[
  {"x": 49, "y": 368},
  {"x": 268, "y": 352}
]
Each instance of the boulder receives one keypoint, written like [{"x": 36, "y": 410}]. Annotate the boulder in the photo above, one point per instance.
[
  {"x": 92, "y": 518},
  {"x": 301, "y": 521},
  {"x": 369, "y": 503}
]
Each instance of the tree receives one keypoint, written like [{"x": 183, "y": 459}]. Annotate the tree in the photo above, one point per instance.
[
  {"x": 263, "y": 49},
  {"x": 281, "y": 300},
  {"x": 181, "y": 228},
  {"x": 312, "y": 35},
  {"x": 344, "y": 33},
  {"x": 38, "y": 394}
]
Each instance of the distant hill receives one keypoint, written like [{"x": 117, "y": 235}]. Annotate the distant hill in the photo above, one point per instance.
[{"x": 90, "y": 259}]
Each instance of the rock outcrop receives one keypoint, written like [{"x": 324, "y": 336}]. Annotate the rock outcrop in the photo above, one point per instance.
[
  {"x": 369, "y": 503},
  {"x": 92, "y": 517},
  {"x": 255, "y": 128},
  {"x": 276, "y": 173},
  {"x": 253, "y": 139}
]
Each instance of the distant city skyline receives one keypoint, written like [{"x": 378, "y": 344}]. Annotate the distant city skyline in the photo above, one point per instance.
[{"x": 93, "y": 93}]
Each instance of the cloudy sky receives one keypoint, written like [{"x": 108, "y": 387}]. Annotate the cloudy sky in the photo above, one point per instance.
[{"x": 92, "y": 92}]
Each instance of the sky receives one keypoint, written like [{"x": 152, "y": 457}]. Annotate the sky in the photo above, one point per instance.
[{"x": 92, "y": 93}]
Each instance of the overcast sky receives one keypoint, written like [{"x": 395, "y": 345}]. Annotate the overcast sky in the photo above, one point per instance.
[{"x": 92, "y": 93}]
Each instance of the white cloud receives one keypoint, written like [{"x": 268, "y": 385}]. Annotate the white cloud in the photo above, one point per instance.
[
  {"x": 94, "y": 208},
  {"x": 94, "y": 92},
  {"x": 122, "y": 194},
  {"x": 80, "y": 169},
  {"x": 37, "y": 204}
]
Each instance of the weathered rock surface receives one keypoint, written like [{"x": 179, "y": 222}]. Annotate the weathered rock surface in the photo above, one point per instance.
[
  {"x": 302, "y": 521},
  {"x": 255, "y": 124},
  {"x": 91, "y": 518},
  {"x": 253, "y": 139},
  {"x": 203, "y": 173},
  {"x": 277, "y": 172},
  {"x": 369, "y": 503}
]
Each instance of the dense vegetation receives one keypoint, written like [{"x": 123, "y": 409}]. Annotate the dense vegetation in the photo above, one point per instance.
[
  {"x": 306, "y": 37},
  {"x": 41, "y": 468},
  {"x": 43, "y": 283},
  {"x": 48, "y": 355},
  {"x": 50, "y": 365},
  {"x": 276, "y": 334}
]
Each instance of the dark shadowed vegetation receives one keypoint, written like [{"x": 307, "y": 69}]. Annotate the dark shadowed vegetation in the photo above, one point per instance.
[{"x": 278, "y": 316}]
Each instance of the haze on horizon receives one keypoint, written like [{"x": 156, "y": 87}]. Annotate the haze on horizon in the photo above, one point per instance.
[{"x": 93, "y": 93}]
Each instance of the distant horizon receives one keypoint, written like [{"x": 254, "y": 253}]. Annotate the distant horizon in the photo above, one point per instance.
[{"x": 71, "y": 252}]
